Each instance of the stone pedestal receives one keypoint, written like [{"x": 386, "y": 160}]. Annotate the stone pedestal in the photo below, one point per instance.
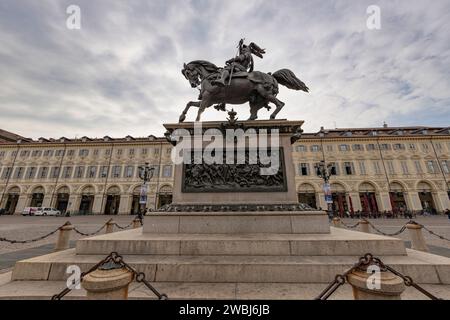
[
  {"x": 390, "y": 286},
  {"x": 136, "y": 223},
  {"x": 110, "y": 226},
  {"x": 337, "y": 223},
  {"x": 108, "y": 284},
  {"x": 417, "y": 239},
  {"x": 63, "y": 242}
]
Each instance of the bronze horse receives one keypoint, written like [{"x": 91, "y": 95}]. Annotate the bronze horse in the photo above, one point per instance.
[{"x": 257, "y": 88}]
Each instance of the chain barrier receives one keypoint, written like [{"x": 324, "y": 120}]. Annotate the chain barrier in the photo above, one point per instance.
[
  {"x": 123, "y": 228},
  {"x": 349, "y": 226},
  {"x": 114, "y": 257},
  {"x": 433, "y": 233},
  {"x": 365, "y": 261},
  {"x": 89, "y": 234},
  {"x": 402, "y": 229},
  {"x": 33, "y": 240}
]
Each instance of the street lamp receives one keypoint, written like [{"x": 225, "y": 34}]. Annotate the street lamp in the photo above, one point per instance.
[
  {"x": 325, "y": 172},
  {"x": 145, "y": 174}
]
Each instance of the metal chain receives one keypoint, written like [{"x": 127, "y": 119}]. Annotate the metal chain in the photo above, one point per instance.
[
  {"x": 402, "y": 229},
  {"x": 123, "y": 228},
  {"x": 365, "y": 261},
  {"x": 32, "y": 240},
  {"x": 89, "y": 234},
  {"x": 433, "y": 233},
  {"x": 116, "y": 258},
  {"x": 350, "y": 226}
]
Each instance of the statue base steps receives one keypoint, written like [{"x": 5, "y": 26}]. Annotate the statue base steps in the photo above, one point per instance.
[{"x": 269, "y": 222}]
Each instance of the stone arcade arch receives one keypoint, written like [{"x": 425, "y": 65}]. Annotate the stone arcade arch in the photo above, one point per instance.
[
  {"x": 37, "y": 197},
  {"x": 340, "y": 205},
  {"x": 12, "y": 198},
  {"x": 87, "y": 199},
  {"x": 112, "y": 200},
  {"x": 62, "y": 198},
  {"x": 368, "y": 198},
  {"x": 426, "y": 196},
  {"x": 397, "y": 198}
]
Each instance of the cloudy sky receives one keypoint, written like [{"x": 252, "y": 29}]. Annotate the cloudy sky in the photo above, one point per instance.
[{"x": 120, "y": 74}]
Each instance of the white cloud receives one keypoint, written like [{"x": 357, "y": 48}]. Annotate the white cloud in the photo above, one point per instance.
[{"x": 121, "y": 75}]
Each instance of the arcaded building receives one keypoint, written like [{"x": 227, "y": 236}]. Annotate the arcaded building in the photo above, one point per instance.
[{"x": 375, "y": 170}]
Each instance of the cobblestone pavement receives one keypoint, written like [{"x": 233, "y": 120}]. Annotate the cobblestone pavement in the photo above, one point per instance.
[{"x": 24, "y": 228}]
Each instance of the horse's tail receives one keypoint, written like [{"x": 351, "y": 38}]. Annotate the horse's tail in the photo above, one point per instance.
[{"x": 288, "y": 79}]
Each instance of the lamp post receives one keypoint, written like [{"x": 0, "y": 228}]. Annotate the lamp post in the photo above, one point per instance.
[
  {"x": 324, "y": 171},
  {"x": 145, "y": 174}
]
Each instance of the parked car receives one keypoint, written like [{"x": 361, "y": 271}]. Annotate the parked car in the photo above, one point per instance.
[
  {"x": 47, "y": 212},
  {"x": 29, "y": 211}
]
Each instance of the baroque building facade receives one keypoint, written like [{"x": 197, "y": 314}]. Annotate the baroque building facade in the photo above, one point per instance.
[{"x": 374, "y": 170}]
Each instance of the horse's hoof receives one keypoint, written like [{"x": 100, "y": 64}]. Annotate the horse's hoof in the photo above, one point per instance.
[
  {"x": 182, "y": 118},
  {"x": 272, "y": 117}
]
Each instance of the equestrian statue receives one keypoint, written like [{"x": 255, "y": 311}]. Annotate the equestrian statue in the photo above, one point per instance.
[{"x": 238, "y": 83}]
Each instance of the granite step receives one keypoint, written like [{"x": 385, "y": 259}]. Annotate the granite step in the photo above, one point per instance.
[
  {"x": 338, "y": 242},
  {"x": 44, "y": 290},
  {"x": 422, "y": 267}
]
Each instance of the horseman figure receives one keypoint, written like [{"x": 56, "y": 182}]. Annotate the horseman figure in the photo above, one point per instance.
[
  {"x": 242, "y": 64},
  {"x": 238, "y": 83}
]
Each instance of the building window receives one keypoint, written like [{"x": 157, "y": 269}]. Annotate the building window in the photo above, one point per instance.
[
  {"x": 129, "y": 171},
  {"x": 92, "y": 172},
  {"x": 362, "y": 167},
  {"x": 131, "y": 152},
  {"x": 300, "y": 148},
  {"x": 357, "y": 147},
  {"x": 405, "y": 168},
  {"x": 334, "y": 169},
  {"x": 7, "y": 173},
  {"x": 67, "y": 173},
  {"x": 144, "y": 151},
  {"x": 19, "y": 173},
  {"x": 431, "y": 167},
  {"x": 36, "y": 153},
  {"x": 156, "y": 151},
  {"x": 304, "y": 169},
  {"x": 119, "y": 152},
  {"x": 2, "y": 154},
  {"x": 315, "y": 148},
  {"x": 55, "y": 172},
  {"x": 376, "y": 167},
  {"x": 167, "y": 171},
  {"x": 348, "y": 168},
  {"x": 399, "y": 146},
  {"x": 412, "y": 146},
  {"x": 96, "y": 152},
  {"x": 385, "y": 146},
  {"x": 418, "y": 166},
  {"x": 104, "y": 172},
  {"x": 43, "y": 172},
  {"x": 344, "y": 147},
  {"x": 59, "y": 153},
  {"x": 116, "y": 171},
  {"x": 71, "y": 153},
  {"x": 24, "y": 153},
  {"x": 445, "y": 166},
  {"x": 330, "y": 148},
  {"x": 425, "y": 147},
  {"x": 390, "y": 165},
  {"x": 168, "y": 151},
  {"x": 48, "y": 153},
  {"x": 31, "y": 173},
  {"x": 83, "y": 153},
  {"x": 438, "y": 146},
  {"x": 79, "y": 172},
  {"x": 107, "y": 152}
]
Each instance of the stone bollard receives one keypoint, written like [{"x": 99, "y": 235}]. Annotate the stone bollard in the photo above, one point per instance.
[
  {"x": 390, "y": 286},
  {"x": 110, "y": 226},
  {"x": 63, "y": 242},
  {"x": 364, "y": 226},
  {"x": 417, "y": 239},
  {"x": 136, "y": 223},
  {"x": 109, "y": 282},
  {"x": 337, "y": 223}
]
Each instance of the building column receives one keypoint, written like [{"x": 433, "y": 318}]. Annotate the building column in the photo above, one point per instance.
[
  {"x": 441, "y": 200},
  {"x": 415, "y": 200},
  {"x": 356, "y": 201},
  {"x": 384, "y": 202},
  {"x": 320, "y": 198},
  {"x": 47, "y": 200},
  {"x": 124, "y": 207},
  {"x": 74, "y": 203},
  {"x": 97, "y": 207},
  {"x": 22, "y": 203}
]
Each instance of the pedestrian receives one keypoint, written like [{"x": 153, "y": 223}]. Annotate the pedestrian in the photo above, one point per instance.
[
  {"x": 447, "y": 212},
  {"x": 2, "y": 211}
]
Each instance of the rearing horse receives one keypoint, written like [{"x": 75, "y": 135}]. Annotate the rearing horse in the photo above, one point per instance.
[{"x": 256, "y": 87}]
